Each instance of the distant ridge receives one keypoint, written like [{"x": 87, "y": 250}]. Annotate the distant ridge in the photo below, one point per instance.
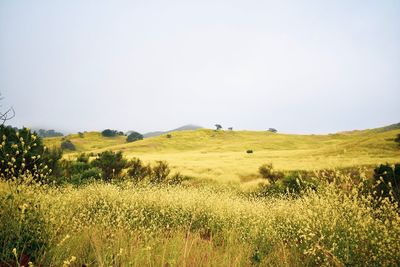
[
  {"x": 182, "y": 128},
  {"x": 390, "y": 127}
]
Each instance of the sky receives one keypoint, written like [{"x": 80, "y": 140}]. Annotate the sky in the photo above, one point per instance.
[{"x": 297, "y": 66}]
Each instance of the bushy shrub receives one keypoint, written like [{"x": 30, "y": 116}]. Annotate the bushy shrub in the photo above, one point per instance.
[
  {"x": 134, "y": 136},
  {"x": 67, "y": 145},
  {"x": 272, "y": 130},
  {"x": 249, "y": 151},
  {"x": 159, "y": 172},
  {"x": 388, "y": 181},
  {"x": 22, "y": 152},
  {"x": 137, "y": 171},
  {"x": 86, "y": 175},
  {"x": 267, "y": 172},
  {"x": 296, "y": 183},
  {"x": 52, "y": 159},
  {"x": 111, "y": 164},
  {"x": 168, "y": 136}
]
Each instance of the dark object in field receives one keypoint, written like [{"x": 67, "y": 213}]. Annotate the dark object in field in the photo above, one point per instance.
[
  {"x": 230, "y": 128},
  {"x": 272, "y": 130},
  {"x": 249, "y": 151},
  {"x": 169, "y": 136}
]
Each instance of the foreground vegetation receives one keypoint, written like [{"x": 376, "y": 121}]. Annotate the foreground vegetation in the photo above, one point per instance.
[
  {"x": 126, "y": 225},
  {"x": 102, "y": 209}
]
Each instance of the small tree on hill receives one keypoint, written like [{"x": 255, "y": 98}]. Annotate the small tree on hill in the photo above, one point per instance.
[
  {"x": 134, "y": 136},
  {"x": 272, "y": 130},
  {"x": 218, "y": 127},
  {"x": 110, "y": 133}
]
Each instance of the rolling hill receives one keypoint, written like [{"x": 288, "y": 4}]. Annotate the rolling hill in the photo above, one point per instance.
[{"x": 221, "y": 155}]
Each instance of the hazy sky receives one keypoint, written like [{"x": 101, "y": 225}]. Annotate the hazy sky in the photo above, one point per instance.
[{"x": 299, "y": 66}]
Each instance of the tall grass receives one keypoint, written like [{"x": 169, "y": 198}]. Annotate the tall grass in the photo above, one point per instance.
[{"x": 121, "y": 225}]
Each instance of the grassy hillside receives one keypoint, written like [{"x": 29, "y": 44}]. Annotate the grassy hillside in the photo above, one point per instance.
[
  {"x": 222, "y": 156},
  {"x": 90, "y": 141}
]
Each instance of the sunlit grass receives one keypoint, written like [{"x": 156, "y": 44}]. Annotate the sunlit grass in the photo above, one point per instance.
[
  {"x": 221, "y": 156},
  {"x": 122, "y": 225}
]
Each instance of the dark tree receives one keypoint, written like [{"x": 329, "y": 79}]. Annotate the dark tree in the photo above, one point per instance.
[
  {"x": 218, "y": 127},
  {"x": 110, "y": 133},
  {"x": 272, "y": 130},
  {"x": 134, "y": 136},
  {"x": 230, "y": 128}
]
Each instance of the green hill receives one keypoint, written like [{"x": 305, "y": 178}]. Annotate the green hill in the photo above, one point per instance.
[{"x": 221, "y": 155}]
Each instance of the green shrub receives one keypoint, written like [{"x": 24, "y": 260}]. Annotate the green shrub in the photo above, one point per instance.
[
  {"x": 86, "y": 176},
  {"x": 137, "y": 171},
  {"x": 267, "y": 172},
  {"x": 388, "y": 181},
  {"x": 160, "y": 172},
  {"x": 111, "y": 164},
  {"x": 67, "y": 145},
  {"x": 296, "y": 183},
  {"x": 22, "y": 152},
  {"x": 111, "y": 133},
  {"x": 249, "y": 151},
  {"x": 134, "y": 136}
]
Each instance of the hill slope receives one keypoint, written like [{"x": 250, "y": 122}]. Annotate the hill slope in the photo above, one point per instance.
[
  {"x": 182, "y": 128},
  {"x": 222, "y": 156}
]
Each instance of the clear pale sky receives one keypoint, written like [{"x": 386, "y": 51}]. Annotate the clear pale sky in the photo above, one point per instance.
[{"x": 299, "y": 66}]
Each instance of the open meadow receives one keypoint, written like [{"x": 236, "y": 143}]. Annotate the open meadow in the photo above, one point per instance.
[{"x": 221, "y": 155}]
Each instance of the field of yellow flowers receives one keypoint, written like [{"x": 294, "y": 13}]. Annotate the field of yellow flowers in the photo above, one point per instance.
[{"x": 121, "y": 224}]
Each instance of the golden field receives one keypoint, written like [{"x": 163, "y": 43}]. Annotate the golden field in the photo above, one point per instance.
[{"x": 221, "y": 155}]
